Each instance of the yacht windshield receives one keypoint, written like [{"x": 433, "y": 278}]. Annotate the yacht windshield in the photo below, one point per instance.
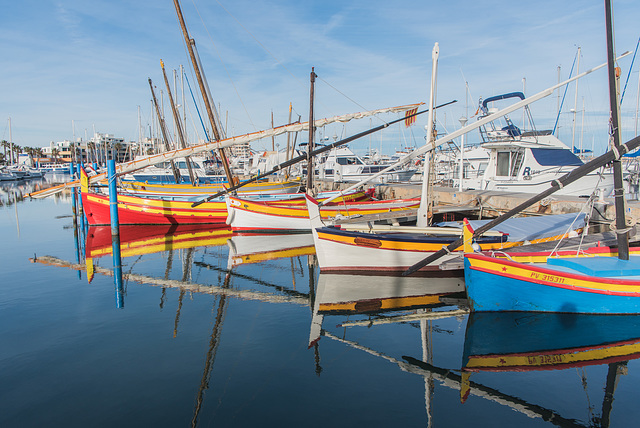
[{"x": 556, "y": 157}]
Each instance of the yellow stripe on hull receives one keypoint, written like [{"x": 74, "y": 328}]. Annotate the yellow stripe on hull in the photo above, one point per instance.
[
  {"x": 547, "y": 360},
  {"x": 531, "y": 273}
]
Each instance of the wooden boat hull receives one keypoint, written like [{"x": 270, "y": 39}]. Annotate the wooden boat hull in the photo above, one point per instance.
[
  {"x": 383, "y": 253},
  {"x": 254, "y": 216},
  {"x": 138, "y": 210},
  {"x": 502, "y": 285}
]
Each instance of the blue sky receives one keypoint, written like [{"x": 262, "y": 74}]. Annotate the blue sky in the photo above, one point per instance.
[{"x": 87, "y": 62}]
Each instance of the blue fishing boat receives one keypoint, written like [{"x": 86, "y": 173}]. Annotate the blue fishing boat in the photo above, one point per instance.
[
  {"x": 597, "y": 285},
  {"x": 591, "y": 285}
]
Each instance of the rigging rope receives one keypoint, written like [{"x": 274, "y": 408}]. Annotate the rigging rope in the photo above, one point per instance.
[
  {"x": 564, "y": 95},
  {"x": 630, "y": 68}
]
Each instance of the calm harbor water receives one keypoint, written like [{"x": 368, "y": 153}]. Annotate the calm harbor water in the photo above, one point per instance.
[{"x": 214, "y": 329}]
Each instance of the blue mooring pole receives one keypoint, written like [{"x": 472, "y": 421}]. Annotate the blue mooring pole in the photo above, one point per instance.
[{"x": 115, "y": 232}]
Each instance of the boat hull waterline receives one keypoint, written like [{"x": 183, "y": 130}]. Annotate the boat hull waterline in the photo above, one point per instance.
[{"x": 502, "y": 285}]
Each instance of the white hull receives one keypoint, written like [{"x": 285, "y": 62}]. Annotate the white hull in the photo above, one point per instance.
[
  {"x": 338, "y": 257},
  {"x": 241, "y": 220},
  {"x": 582, "y": 187},
  {"x": 259, "y": 221}
]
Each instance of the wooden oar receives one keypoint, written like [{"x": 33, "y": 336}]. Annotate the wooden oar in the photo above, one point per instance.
[{"x": 581, "y": 171}]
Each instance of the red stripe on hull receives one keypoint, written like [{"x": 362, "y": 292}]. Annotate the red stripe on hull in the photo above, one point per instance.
[{"x": 99, "y": 214}]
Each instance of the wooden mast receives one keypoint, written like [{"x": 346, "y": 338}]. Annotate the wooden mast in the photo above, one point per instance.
[
  {"x": 176, "y": 171},
  {"x": 618, "y": 184},
  {"x": 176, "y": 119},
  {"x": 207, "y": 102},
  {"x": 312, "y": 129}
]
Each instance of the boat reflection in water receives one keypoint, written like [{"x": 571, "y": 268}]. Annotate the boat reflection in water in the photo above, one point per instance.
[
  {"x": 513, "y": 341},
  {"x": 532, "y": 341},
  {"x": 136, "y": 240},
  {"x": 259, "y": 247},
  {"x": 342, "y": 294}
]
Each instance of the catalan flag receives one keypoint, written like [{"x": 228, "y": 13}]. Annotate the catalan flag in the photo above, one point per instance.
[{"x": 410, "y": 117}]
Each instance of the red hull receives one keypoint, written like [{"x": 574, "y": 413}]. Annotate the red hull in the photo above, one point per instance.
[{"x": 136, "y": 210}]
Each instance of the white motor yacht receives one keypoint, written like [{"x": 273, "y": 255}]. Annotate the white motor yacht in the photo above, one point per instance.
[{"x": 528, "y": 161}]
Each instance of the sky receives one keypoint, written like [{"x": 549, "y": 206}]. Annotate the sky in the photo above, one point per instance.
[{"x": 72, "y": 67}]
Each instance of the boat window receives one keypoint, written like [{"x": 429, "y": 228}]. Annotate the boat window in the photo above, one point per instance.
[
  {"x": 348, "y": 161},
  {"x": 502, "y": 169},
  {"x": 482, "y": 167},
  {"x": 556, "y": 157},
  {"x": 509, "y": 163}
]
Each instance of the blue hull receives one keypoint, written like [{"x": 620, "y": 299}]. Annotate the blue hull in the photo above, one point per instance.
[{"x": 493, "y": 292}]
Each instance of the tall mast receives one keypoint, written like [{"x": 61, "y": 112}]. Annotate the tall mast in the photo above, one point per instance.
[
  {"x": 176, "y": 172},
  {"x": 178, "y": 125},
  {"x": 207, "y": 102},
  {"x": 614, "y": 75},
  {"x": 575, "y": 105},
  {"x": 424, "y": 211},
  {"x": 312, "y": 128},
  {"x": 10, "y": 142}
]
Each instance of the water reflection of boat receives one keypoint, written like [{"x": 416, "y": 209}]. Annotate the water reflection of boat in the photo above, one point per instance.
[
  {"x": 255, "y": 248},
  {"x": 362, "y": 293},
  {"x": 532, "y": 341},
  {"x": 524, "y": 341},
  {"x": 372, "y": 295},
  {"x": 144, "y": 239}
]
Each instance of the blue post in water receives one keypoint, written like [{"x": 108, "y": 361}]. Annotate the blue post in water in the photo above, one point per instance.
[
  {"x": 75, "y": 227},
  {"x": 115, "y": 232},
  {"x": 117, "y": 271},
  {"x": 113, "y": 197}
]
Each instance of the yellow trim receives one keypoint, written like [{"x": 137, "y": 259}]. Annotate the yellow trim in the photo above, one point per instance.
[
  {"x": 394, "y": 244},
  {"x": 552, "y": 358},
  {"x": 217, "y": 209},
  {"x": 526, "y": 274},
  {"x": 164, "y": 243},
  {"x": 271, "y": 255},
  {"x": 386, "y": 303},
  {"x": 291, "y": 210}
]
